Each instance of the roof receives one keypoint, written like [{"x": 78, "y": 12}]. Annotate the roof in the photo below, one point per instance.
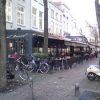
[{"x": 81, "y": 39}]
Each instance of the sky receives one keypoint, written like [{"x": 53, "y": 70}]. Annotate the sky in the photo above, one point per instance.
[{"x": 83, "y": 10}]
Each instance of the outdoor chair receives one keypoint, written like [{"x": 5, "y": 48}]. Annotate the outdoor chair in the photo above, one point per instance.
[{"x": 57, "y": 64}]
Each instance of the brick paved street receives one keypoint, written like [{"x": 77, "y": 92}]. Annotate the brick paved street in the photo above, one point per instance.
[{"x": 58, "y": 85}]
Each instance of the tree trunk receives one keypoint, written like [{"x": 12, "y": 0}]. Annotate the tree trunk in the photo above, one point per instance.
[
  {"x": 45, "y": 49},
  {"x": 2, "y": 45}
]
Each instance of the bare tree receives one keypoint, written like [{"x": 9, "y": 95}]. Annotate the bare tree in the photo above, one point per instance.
[
  {"x": 45, "y": 49},
  {"x": 2, "y": 44}
]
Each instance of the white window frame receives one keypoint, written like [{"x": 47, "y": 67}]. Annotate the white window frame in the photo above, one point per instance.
[
  {"x": 21, "y": 17},
  {"x": 52, "y": 13},
  {"x": 60, "y": 18},
  {"x": 34, "y": 17},
  {"x": 57, "y": 16},
  {"x": 41, "y": 2},
  {"x": 40, "y": 20},
  {"x": 52, "y": 27},
  {"x": 56, "y": 28},
  {"x": 9, "y": 10}
]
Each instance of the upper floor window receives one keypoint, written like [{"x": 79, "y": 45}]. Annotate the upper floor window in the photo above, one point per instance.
[
  {"x": 56, "y": 16},
  {"x": 40, "y": 1},
  {"x": 9, "y": 10},
  {"x": 60, "y": 18},
  {"x": 52, "y": 13},
  {"x": 56, "y": 29},
  {"x": 34, "y": 16},
  {"x": 52, "y": 27},
  {"x": 40, "y": 19},
  {"x": 99, "y": 2},
  {"x": 20, "y": 15}
]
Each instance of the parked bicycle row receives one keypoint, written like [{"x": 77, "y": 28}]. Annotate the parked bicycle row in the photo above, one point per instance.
[{"x": 22, "y": 64}]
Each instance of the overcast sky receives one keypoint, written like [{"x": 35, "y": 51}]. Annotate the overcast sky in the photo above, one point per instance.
[{"x": 83, "y": 9}]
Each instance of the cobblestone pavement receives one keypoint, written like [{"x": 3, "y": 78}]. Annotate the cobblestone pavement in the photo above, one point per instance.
[{"x": 58, "y": 85}]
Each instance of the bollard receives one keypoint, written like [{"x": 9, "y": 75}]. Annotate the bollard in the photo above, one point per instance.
[
  {"x": 76, "y": 89},
  {"x": 31, "y": 87}
]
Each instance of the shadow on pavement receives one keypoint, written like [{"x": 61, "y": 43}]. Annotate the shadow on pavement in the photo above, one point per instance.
[{"x": 88, "y": 95}]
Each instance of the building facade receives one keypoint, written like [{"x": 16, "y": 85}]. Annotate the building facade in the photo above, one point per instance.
[
  {"x": 97, "y": 6},
  {"x": 28, "y": 15},
  {"x": 25, "y": 24}
]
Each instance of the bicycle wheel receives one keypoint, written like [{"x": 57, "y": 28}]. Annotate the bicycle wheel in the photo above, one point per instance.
[
  {"x": 10, "y": 72},
  {"x": 44, "y": 68},
  {"x": 21, "y": 72},
  {"x": 32, "y": 67}
]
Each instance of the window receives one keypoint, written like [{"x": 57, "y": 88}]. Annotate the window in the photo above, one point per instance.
[
  {"x": 56, "y": 29},
  {"x": 9, "y": 10},
  {"x": 33, "y": 17},
  {"x": 52, "y": 27},
  {"x": 99, "y": 2},
  {"x": 41, "y": 1},
  {"x": 56, "y": 16},
  {"x": 60, "y": 31},
  {"x": 60, "y": 18},
  {"x": 20, "y": 15},
  {"x": 40, "y": 19},
  {"x": 52, "y": 13}
]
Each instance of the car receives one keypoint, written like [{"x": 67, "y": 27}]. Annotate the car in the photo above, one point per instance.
[{"x": 93, "y": 72}]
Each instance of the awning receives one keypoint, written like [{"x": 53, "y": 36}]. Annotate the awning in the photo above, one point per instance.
[
  {"x": 17, "y": 36},
  {"x": 72, "y": 43}
]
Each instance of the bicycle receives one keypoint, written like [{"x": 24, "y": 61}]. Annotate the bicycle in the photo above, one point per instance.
[
  {"x": 40, "y": 66},
  {"x": 17, "y": 67}
]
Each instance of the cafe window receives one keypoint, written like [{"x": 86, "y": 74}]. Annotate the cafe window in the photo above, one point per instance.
[
  {"x": 49, "y": 50},
  {"x": 68, "y": 49},
  {"x": 40, "y": 50},
  {"x": 76, "y": 49}
]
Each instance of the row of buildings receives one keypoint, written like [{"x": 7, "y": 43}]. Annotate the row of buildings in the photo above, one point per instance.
[
  {"x": 28, "y": 15},
  {"x": 25, "y": 27}
]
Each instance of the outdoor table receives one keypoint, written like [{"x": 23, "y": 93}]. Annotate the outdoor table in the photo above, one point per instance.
[
  {"x": 64, "y": 62},
  {"x": 57, "y": 63}
]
